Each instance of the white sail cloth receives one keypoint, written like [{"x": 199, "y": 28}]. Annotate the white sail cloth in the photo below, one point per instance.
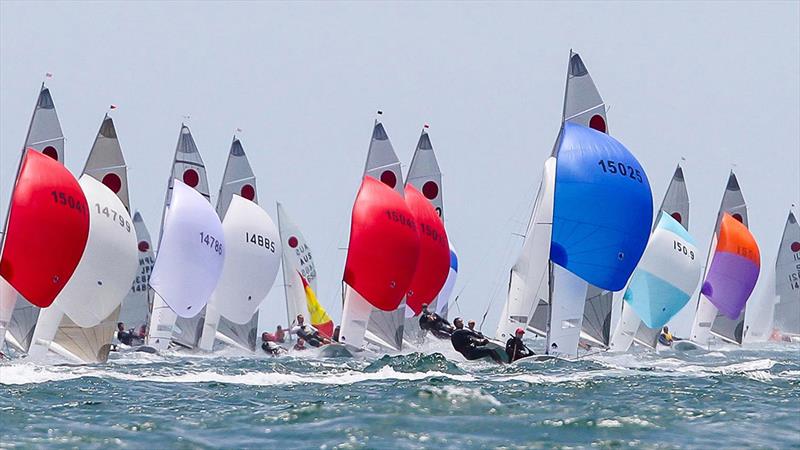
[
  {"x": 252, "y": 259},
  {"x": 191, "y": 254}
]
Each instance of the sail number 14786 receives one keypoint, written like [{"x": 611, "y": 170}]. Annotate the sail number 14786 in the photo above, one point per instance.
[{"x": 212, "y": 242}]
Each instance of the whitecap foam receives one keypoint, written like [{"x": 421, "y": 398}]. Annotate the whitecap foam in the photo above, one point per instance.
[{"x": 457, "y": 395}]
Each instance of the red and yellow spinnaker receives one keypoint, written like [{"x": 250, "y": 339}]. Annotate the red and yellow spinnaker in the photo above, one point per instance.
[{"x": 319, "y": 317}]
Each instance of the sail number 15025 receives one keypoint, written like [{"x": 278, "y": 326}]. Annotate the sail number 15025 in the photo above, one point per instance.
[{"x": 620, "y": 168}]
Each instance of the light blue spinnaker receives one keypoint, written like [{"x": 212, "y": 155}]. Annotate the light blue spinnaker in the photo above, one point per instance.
[{"x": 667, "y": 274}]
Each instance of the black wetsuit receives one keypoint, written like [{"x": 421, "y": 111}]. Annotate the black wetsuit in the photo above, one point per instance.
[
  {"x": 126, "y": 337},
  {"x": 471, "y": 345},
  {"x": 516, "y": 349},
  {"x": 313, "y": 339},
  {"x": 436, "y": 324},
  {"x": 271, "y": 348}
]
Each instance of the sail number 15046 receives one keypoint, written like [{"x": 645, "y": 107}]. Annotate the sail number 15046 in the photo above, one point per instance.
[{"x": 620, "y": 168}]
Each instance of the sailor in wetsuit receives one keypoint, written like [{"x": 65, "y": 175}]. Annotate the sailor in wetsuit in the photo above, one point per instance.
[
  {"x": 436, "y": 324},
  {"x": 515, "y": 348},
  {"x": 308, "y": 333},
  {"x": 471, "y": 344},
  {"x": 268, "y": 344},
  {"x": 126, "y": 337}
]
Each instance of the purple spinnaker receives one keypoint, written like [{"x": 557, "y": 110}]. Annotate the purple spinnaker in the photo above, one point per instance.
[{"x": 729, "y": 282}]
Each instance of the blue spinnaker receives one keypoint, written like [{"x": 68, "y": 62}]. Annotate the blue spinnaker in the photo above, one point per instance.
[{"x": 603, "y": 208}]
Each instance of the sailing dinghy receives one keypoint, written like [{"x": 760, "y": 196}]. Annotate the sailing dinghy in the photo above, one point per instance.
[
  {"x": 135, "y": 310},
  {"x": 382, "y": 253},
  {"x": 786, "y": 325},
  {"x": 661, "y": 289},
  {"x": 190, "y": 256},
  {"x": 187, "y": 166},
  {"x": 424, "y": 197},
  {"x": 590, "y": 225},
  {"x": 731, "y": 275},
  {"x": 75, "y": 340},
  {"x": 300, "y": 277},
  {"x": 44, "y": 135},
  {"x": 80, "y": 323},
  {"x": 237, "y": 179},
  {"x": 252, "y": 257}
]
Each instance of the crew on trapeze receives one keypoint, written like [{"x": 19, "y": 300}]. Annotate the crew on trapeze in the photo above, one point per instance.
[
  {"x": 436, "y": 324},
  {"x": 515, "y": 348},
  {"x": 308, "y": 333},
  {"x": 472, "y": 344}
]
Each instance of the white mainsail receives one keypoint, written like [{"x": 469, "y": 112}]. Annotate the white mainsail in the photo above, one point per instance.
[
  {"x": 630, "y": 327},
  {"x": 707, "y": 319},
  {"x": 360, "y": 320},
  {"x": 252, "y": 257},
  {"x": 136, "y": 306},
  {"x": 101, "y": 279},
  {"x": 187, "y": 166},
  {"x": 530, "y": 277},
  {"x": 297, "y": 258},
  {"x": 44, "y": 135}
]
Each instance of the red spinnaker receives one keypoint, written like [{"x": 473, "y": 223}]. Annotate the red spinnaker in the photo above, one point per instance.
[
  {"x": 48, "y": 225},
  {"x": 433, "y": 263},
  {"x": 384, "y": 245}
]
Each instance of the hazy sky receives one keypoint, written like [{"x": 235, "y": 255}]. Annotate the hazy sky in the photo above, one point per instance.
[{"x": 717, "y": 83}]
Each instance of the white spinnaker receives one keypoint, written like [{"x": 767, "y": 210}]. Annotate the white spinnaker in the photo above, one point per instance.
[
  {"x": 44, "y": 135},
  {"x": 109, "y": 262},
  {"x": 137, "y": 304},
  {"x": 530, "y": 275},
  {"x": 382, "y": 328},
  {"x": 706, "y": 315},
  {"x": 252, "y": 258},
  {"x": 296, "y": 257},
  {"x": 237, "y": 179},
  {"x": 190, "y": 257},
  {"x": 188, "y": 166}
]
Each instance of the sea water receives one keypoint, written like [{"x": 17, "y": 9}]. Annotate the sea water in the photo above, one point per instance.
[{"x": 727, "y": 398}]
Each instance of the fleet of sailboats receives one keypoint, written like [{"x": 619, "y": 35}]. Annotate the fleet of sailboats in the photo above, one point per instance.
[{"x": 597, "y": 270}]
